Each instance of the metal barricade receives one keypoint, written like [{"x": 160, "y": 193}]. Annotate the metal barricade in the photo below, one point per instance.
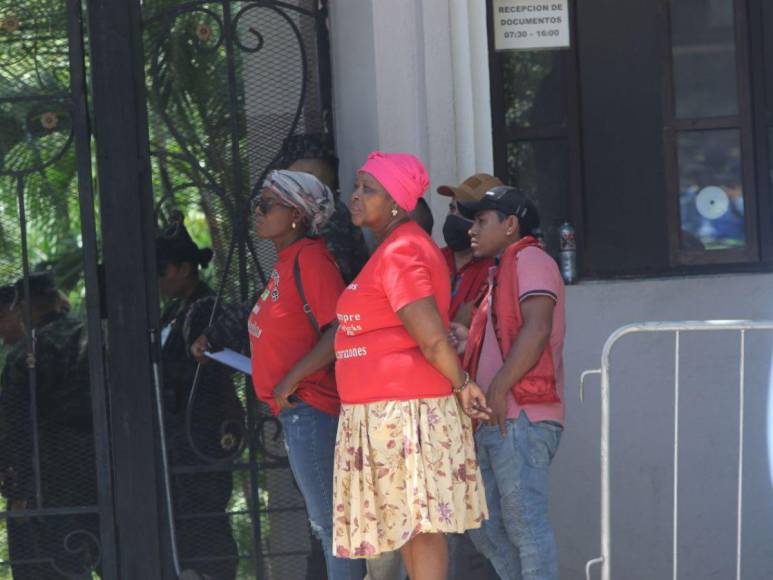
[{"x": 740, "y": 326}]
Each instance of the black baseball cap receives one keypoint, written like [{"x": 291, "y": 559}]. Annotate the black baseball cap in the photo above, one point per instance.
[{"x": 508, "y": 200}]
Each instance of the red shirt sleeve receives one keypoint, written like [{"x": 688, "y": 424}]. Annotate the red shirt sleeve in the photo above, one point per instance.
[
  {"x": 322, "y": 284},
  {"x": 538, "y": 275},
  {"x": 405, "y": 274}
]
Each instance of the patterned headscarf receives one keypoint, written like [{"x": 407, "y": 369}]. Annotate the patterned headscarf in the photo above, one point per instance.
[{"x": 305, "y": 193}]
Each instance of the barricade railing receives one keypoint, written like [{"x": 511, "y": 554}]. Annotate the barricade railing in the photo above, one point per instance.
[{"x": 740, "y": 326}]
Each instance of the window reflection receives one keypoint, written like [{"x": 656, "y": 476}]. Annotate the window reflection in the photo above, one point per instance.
[
  {"x": 534, "y": 92},
  {"x": 703, "y": 47},
  {"x": 711, "y": 192},
  {"x": 541, "y": 169}
]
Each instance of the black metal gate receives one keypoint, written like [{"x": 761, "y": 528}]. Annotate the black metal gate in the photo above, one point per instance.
[
  {"x": 54, "y": 464},
  {"x": 233, "y": 90}
]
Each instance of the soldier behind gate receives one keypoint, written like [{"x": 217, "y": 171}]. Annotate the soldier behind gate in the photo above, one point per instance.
[{"x": 48, "y": 365}]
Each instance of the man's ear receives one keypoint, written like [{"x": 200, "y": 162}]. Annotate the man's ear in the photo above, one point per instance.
[{"x": 513, "y": 225}]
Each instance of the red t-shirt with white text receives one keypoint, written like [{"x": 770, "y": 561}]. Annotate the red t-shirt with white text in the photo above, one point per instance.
[
  {"x": 280, "y": 331},
  {"x": 376, "y": 358}
]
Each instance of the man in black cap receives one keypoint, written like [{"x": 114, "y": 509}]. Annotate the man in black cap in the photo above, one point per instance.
[
  {"x": 50, "y": 362},
  {"x": 514, "y": 352},
  {"x": 204, "y": 431}
]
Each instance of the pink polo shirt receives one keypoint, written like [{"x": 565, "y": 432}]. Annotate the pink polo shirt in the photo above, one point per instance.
[{"x": 538, "y": 275}]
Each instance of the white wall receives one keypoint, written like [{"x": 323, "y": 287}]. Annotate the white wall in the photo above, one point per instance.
[{"x": 401, "y": 84}]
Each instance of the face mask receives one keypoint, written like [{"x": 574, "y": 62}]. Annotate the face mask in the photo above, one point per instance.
[{"x": 455, "y": 233}]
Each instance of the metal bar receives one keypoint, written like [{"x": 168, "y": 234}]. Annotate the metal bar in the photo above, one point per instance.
[
  {"x": 126, "y": 208},
  {"x": 606, "y": 531},
  {"x": 97, "y": 375},
  {"x": 741, "y": 381},
  {"x": 670, "y": 326},
  {"x": 30, "y": 338},
  {"x": 582, "y": 382},
  {"x": 590, "y": 565},
  {"x": 33, "y": 513},
  {"x": 50, "y": 97},
  {"x": 166, "y": 482},
  {"x": 675, "y": 546}
]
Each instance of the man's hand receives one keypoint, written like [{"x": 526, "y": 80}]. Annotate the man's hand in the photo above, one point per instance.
[
  {"x": 282, "y": 393},
  {"x": 474, "y": 402},
  {"x": 457, "y": 336},
  {"x": 497, "y": 402},
  {"x": 199, "y": 346}
]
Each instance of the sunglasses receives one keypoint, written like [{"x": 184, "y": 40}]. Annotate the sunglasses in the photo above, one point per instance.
[{"x": 265, "y": 205}]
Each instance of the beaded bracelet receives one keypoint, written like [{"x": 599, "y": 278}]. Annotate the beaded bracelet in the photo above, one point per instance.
[{"x": 463, "y": 386}]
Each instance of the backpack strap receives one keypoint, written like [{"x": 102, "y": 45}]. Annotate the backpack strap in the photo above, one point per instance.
[{"x": 302, "y": 294}]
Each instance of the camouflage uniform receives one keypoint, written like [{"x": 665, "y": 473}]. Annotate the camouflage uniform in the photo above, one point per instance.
[
  {"x": 66, "y": 447},
  {"x": 217, "y": 427}
]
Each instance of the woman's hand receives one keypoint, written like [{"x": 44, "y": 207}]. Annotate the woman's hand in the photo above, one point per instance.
[
  {"x": 473, "y": 402},
  {"x": 282, "y": 393},
  {"x": 457, "y": 336},
  {"x": 199, "y": 347}
]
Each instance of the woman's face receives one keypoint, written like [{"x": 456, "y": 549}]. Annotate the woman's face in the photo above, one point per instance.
[
  {"x": 273, "y": 220},
  {"x": 371, "y": 205}
]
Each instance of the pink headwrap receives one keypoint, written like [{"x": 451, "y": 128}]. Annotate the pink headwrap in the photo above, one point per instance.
[{"x": 401, "y": 174}]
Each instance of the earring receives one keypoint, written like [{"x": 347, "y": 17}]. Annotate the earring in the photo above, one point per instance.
[
  {"x": 394, "y": 211},
  {"x": 295, "y": 225}
]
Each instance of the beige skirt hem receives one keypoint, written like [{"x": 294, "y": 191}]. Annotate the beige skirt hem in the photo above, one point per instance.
[{"x": 403, "y": 468}]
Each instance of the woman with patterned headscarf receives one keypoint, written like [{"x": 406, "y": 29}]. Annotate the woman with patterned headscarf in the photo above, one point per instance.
[{"x": 294, "y": 311}]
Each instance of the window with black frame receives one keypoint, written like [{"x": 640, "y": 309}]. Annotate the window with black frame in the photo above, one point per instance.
[
  {"x": 533, "y": 98},
  {"x": 709, "y": 136},
  {"x": 652, "y": 133}
]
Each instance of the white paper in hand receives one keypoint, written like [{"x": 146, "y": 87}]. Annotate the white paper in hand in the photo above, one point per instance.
[{"x": 232, "y": 359}]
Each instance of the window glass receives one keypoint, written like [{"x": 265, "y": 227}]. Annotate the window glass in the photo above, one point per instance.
[
  {"x": 533, "y": 86},
  {"x": 710, "y": 190},
  {"x": 703, "y": 49},
  {"x": 541, "y": 169}
]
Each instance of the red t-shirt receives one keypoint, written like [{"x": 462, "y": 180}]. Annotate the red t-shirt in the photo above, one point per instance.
[
  {"x": 376, "y": 358},
  {"x": 466, "y": 284},
  {"x": 280, "y": 331}
]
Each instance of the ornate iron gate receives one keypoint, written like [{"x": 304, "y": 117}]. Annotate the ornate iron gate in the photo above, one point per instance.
[
  {"x": 54, "y": 468},
  {"x": 234, "y": 89}
]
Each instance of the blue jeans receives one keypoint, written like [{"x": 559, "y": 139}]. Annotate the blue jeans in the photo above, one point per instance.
[
  {"x": 518, "y": 538},
  {"x": 310, "y": 439}
]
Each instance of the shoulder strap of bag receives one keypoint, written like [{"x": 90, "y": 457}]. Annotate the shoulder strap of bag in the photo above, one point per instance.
[{"x": 302, "y": 294}]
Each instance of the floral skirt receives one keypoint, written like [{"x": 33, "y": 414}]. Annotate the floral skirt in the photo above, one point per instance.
[{"x": 403, "y": 468}]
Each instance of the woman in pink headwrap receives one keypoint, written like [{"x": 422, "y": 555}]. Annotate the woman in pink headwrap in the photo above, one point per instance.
[{"x": 405, "y": 466}]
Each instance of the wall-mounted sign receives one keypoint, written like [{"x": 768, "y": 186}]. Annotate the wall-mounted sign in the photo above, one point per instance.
[{"x": 531, "y": 24}]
